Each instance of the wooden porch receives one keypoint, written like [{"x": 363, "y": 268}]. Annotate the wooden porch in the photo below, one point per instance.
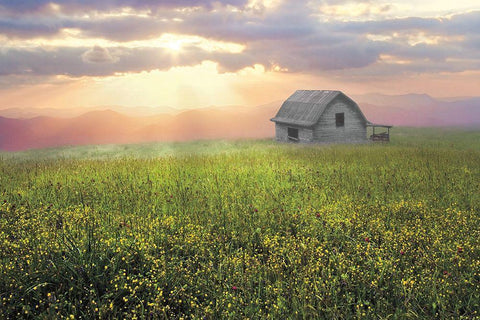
[{"x": 379, "y": 136}]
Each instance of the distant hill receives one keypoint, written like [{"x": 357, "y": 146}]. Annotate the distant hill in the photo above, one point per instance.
[
  {"x": 107, "y": 126},
  {"x": 124, "y": 125},
  {"x": 420, "y": 110},
  {"x": 29, "y": 113}
]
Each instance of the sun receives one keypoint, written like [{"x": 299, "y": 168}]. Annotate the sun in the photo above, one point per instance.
[
  {"x": 174, "y": 45},
  {"x": 171, "y": 42}
]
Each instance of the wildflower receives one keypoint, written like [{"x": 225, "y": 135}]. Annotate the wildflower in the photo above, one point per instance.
[
  {"x": 124, "y": 224},
  {"x": 59, "y": 223},
  {"x": 402, "y": 252},
  {"x": 459, "y": 250},
  {"x": 367, "y": 239},
  {"x": 234, "y": 288}
]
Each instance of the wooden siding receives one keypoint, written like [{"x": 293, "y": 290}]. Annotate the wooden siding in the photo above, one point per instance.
[
  {"x": 305, "y": 135},
  {"x": 353, "y": 131}
]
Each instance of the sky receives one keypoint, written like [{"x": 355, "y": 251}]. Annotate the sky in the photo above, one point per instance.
[{"x": 197, "y": 53}]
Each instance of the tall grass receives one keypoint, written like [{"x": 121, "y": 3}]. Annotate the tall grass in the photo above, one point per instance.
[{"x": 247, "y": 229}]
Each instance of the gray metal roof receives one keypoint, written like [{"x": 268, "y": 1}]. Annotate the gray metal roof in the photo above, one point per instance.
[
  {"x": 371, "y": 124},
  {"x": 304, "y": 107}
]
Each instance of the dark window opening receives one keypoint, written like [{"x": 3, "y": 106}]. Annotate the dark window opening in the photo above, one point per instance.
[
  {"x": 340, "y": 119},
  {"x": 293, "y": 134}
]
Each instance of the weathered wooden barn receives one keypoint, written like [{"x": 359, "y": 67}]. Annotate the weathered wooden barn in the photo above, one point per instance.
[{"x": 323, "y": 116}]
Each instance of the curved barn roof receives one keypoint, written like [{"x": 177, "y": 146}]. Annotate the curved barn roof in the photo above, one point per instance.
[{"x": 304, "y": 107}]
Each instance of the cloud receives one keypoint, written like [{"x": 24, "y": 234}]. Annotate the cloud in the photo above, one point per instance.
[
  {"x": 465, "y": 23},
  {"x": 289, "y": 36},
  {"x": 98, "y": 55},
  {"x": 122, "y": 29},
  {"x": 78, "y": 62},
  {"x": 29, "y": 6},
  {"x": 26, "y": 28}
]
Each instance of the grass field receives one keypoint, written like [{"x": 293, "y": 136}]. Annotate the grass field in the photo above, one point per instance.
[{"x": 244, "y": 229}]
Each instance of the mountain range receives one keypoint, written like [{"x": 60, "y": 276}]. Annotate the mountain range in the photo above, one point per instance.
[
  {"x": 108, "y": 126},
  {"x": 420, "y": 110},
  {"x": 22, "y": 129}
]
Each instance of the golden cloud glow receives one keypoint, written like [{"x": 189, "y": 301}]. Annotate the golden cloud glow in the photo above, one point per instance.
[
  {"x": 378, "y": 37},
  {"x": 302, "y": 42},
  {"x": 181, "y": 87},
  {"x": 255, "y": 70},
  {"x": 422, "y": 37},
  {"x": 383, "y": 9},
  {"x": 390, "y": 59},
  {"x": 416, "y": 38},
  {"x": 353, "y": 11},
  {"x": 125, "y": 12},
  {"x": 262, "y": 4},
  {"x": 72, "y": 38}
]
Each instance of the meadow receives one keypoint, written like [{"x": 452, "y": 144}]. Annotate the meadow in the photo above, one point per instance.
[{"x": 244, "y": 230}]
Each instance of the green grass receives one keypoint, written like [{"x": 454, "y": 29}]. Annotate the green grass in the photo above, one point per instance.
[{"x": 244, "y": 229}]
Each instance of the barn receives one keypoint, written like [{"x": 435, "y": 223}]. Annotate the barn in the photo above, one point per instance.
[{"x": 323, "y": 116}]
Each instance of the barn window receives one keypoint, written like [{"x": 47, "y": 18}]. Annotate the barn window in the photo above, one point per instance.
[
  {"x": 293, "y": 134},
  {"x": 340, "y": 119}
]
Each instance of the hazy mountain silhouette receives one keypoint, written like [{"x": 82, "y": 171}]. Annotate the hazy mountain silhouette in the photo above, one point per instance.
[
  {"x": 140, "y": 111},
  {"x": 95, "y": 127},
  {"x": 107, "y": 126},
  {"x": 111, "y": 126},
  {"x": 420, "y": 110}
]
